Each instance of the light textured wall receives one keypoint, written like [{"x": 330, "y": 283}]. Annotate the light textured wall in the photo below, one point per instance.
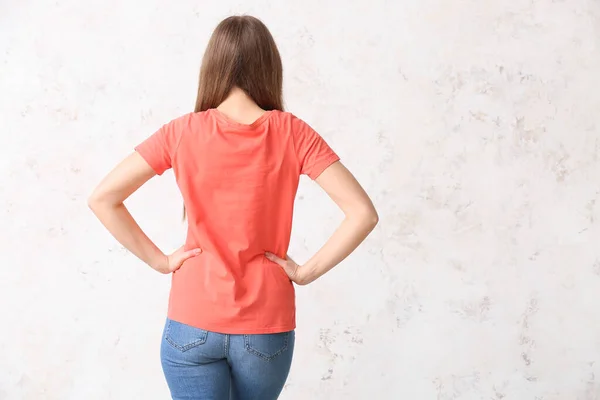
[{"x": 473, "y": 124}]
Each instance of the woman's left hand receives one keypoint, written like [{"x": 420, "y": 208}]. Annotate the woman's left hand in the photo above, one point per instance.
[
  {"x": 293, "y": 270},
  {"x": 173, "y": 262}
]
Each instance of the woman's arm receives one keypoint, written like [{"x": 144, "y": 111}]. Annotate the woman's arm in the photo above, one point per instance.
[
  {"x": 360, "y": 219},
  {"x": 107, "y": 203}
]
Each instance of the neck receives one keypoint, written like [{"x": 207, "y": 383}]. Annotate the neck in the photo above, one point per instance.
[{"x": 238, "y": 102}]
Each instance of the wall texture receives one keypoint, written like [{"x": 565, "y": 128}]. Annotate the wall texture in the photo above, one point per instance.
[{"x": 473, "y": 124}]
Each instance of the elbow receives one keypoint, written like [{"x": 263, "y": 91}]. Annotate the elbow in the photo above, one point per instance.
[
  {"x": 367, "y": 217},
  {"x": 372, "y": 219},
  {"x": 104, "y": 198},
  {"x": 93, "y": 202},
  {"x": 96, "y": 201}
]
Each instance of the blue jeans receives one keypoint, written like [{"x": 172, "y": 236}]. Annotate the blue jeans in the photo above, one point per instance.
[{"x": 203, "y": 365}]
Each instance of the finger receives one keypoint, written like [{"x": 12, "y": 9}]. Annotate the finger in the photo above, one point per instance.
[
  {"x": 288, "y": 265},
  {"x": 290, "y": 268},
  {"x": 179, "y": 259},
  {"x": 290, "y": 260},
  {"x": 275, "y": 259},
  {"x": 176, "y": 267},
  {"x": 190, "y": 254}
]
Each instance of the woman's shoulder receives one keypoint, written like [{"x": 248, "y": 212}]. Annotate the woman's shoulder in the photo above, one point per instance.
[
  {"x": 192, "y": 119},
  {"x": 183, "y": 118},
  {"x": 288, "y": 118}
]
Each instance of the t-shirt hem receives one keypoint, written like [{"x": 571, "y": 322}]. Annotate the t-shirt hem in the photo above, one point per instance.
[{"x": 239, "y": 331}]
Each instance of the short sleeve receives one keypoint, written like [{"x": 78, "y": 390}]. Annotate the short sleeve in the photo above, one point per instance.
[
  {"x": 159, "y": 149},
  {"x": 314, "y": 154}
]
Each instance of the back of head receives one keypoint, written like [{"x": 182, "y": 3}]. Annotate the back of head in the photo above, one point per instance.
[{"x": 241, "y": 53}]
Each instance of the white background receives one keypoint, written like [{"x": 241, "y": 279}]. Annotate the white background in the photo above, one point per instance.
[{"x": 473, "y": 124}]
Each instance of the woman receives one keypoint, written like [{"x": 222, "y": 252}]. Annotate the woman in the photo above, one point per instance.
[{"x": 237, "y": 160}]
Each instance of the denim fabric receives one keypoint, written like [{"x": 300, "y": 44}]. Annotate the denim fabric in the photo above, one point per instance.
[{"x": 199, "y": 364}]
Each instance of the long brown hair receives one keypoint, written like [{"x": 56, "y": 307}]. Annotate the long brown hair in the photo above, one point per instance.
[{"x": 241, "y": 53}]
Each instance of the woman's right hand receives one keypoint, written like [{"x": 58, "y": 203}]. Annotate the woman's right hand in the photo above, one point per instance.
[
  {"x": 173, "y": 262},
  {"x": 293, "y": 270}
]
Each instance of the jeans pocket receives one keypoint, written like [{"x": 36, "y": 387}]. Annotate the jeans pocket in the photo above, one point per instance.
[
  {"x": 267, "y": 346},
  {"x": 184, "y": 337}
]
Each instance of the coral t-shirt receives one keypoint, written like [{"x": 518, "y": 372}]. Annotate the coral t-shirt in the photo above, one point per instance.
[{"x": 238, "y": 183}]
